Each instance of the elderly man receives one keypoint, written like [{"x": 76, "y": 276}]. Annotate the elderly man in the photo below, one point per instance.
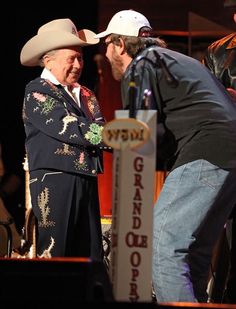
[{"x": 63, "y": 126}]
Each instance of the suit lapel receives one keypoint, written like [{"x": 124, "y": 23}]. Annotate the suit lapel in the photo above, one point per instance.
[
  {"x": 83, "y": 100},
  {"x": 70, "y": 100}
]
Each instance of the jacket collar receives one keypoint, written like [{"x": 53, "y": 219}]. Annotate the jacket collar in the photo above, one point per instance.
[{"x": 232, "y": 43}]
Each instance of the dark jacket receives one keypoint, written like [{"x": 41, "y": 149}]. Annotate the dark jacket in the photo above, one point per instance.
[
  {"x": 221, "y": 60},
  {"x": 60, "y": 135},
  {"x": 196, "y": 116}
]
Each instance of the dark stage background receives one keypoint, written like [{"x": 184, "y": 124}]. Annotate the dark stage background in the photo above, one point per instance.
[
  {"x": 169, "y": 15},
  {"x": 165, "y": 15}
]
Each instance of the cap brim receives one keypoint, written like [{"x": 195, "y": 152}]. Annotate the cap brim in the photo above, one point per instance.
[{"x": 102, "y": 34}]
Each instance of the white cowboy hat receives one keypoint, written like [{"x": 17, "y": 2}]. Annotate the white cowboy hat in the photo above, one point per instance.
[{"x": 55, "y": 34}]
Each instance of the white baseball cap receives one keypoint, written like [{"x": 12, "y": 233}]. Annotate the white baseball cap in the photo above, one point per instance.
[{"x": 126, "y": 22}]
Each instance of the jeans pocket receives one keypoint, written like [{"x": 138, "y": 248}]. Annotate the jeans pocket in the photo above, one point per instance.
[{"x": 212, "y": 175}]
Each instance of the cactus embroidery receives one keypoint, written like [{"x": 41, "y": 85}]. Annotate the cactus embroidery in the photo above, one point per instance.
[
  {"x": 65, "y": 151},
  {"x": 43, "y": 200},
  {"x": 47, "y": 252}
]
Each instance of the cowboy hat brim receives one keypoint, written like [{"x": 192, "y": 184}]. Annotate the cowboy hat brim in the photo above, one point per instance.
[{"x": 41, "y": 43}]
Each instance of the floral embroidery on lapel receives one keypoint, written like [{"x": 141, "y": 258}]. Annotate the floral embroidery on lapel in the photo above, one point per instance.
[
  {"x": 80, "y": 163},
  {"x": 94, "y": 135},
  {"x": 90, "y": 100}
]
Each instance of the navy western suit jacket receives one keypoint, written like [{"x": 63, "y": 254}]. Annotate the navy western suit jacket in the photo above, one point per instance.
[{"x": 59, "y": 134}]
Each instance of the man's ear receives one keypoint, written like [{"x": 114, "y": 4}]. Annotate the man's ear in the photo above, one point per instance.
[
  {"x": 46, "y": 61},
  {"x": 122, "y": 46}
]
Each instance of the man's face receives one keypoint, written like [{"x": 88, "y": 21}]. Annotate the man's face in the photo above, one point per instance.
[
  {"x": 114, "y": 58},
  {"x": 66, "y": 65}
]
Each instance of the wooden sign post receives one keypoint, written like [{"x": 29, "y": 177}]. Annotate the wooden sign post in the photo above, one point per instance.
[{"x": 134, "y": 158}]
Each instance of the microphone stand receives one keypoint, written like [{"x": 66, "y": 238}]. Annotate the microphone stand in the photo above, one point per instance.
[{"x": 132, "y": 93}]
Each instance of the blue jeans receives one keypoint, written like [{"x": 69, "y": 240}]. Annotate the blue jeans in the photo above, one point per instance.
[{"x": 187, "y": 225}]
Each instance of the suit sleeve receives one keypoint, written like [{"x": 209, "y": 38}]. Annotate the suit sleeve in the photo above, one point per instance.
[{"x": 48, "y": 112}]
